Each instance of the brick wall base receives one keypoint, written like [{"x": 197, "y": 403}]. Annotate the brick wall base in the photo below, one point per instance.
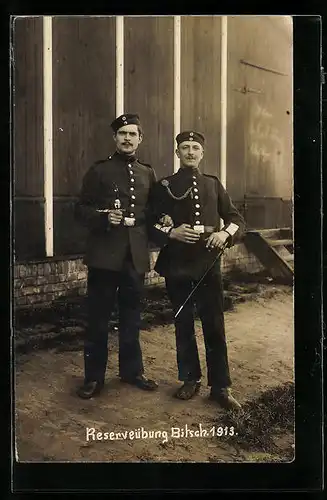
[{"x": 44, "y": 281}]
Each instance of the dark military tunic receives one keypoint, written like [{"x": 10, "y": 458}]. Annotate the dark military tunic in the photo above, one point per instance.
[
  {"x": 190, "y": 197},
  {"x": 108, "y": 245},
  {"x": 203, "y": 202},
  {"x": 117, "y": 258}
]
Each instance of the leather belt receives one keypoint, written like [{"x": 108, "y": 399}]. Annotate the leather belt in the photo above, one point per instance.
[
  {"x": 204, "y": 229},
  {"x": 133, "y": 222}
]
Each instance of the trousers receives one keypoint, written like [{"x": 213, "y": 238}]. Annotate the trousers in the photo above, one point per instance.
[
  {"x": 103, "y": 288},
  {"x": 209, "y": 300}
]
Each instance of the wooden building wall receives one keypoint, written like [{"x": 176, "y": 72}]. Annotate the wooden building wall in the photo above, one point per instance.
[
  {"x": 28, "y": 138},
  {"x": 148, "y": 89},
  {"x": 200, "y": 83},
  {"x": 84, "y": 97},
  {"x": 259, "y": 147}
]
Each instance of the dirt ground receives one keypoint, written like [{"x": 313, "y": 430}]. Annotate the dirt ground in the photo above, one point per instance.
[{"x": 52, "y": 422}]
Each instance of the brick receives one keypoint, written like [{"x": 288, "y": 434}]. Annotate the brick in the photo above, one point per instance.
[
  {"x": 82, "y": 275},
  {"x": 47, "y": 269},
  {"x": 52, "y": 267},
  {"x": 30, "y": 281},
  {"x": 34, "y": 299},
  {"x": 22, "y": 270},
  {"x": 16, "y": 271},
  {"x": 40, "y": 269},
  {"x": 54, "y": 287},
  {"x": 53, "y": 278},
  {"x": 34, "y": 270},
  {"x": 60, "y": 293},
  {"x": 18, "y": 283},
  {"x": 80, "y": 266},
  {"x": 21, "y": 301},
  {"x": 48, "y": 288},
  {"x": 41, "y": 280},
  {"x": 59, "y": 267},
  {"x": 30, "y": 290},
  {"x": 62, "y": 277},
  {"x": 70, "y": 285},
  {"x": 72, "y": 276},
  {"x": 65, "y": 267}
]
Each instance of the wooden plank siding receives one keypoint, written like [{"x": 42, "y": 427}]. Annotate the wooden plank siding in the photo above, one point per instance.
[
  {"x": 149, "y": 81},
  {"x": 84, "y": 75},
  {"x": 259, "y": 111},
  {"x": 259, "y": 108},
  {"x": 28, "y": 138},
  {"x": 200, "y": 83}
]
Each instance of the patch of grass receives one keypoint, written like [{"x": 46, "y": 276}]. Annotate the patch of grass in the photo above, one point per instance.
[{"x": 263, "y": 419}]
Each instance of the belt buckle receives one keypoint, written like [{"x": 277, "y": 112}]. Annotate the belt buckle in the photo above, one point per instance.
[
  {"x": 199, "y": 228},
  {"x": 129, "y": 221}
]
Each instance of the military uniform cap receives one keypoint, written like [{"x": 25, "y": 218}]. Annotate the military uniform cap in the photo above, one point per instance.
[
  {"x": 190, "y": 135},
  {"x": 126, "y": 119}
]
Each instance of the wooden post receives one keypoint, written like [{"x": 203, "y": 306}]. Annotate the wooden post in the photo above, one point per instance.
[
  {"x": 119, "y": 65},
  {"x": 223, "y": 103},
  {"x": 48, "y": 134},
  {"x": 177, "y": 82}
]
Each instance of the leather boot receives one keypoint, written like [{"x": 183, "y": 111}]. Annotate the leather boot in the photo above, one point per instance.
[
  {"x": 224, "y": 398},
  {"x": 89, "y": 389}
]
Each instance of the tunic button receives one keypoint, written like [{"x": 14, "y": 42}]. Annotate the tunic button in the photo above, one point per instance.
[
  {"x": 197, "y": 213},
  {"x": 132, "y": 215},
  {"x": 129, "y": 165},
  {"x": 196, "y": 190},
  {"x": 132, "y": 205},
  {"x": 133, "y": 197},
  {"x": 197, "y": 206},
  {"x": 193, "y": 177},
  {"x": 131, "y": 172},
  {"x": 197, "y": 222},
  {"x": 196, "y": 197},
  {"x": 131, "y": 188},
  {"x": 132, "y": 179},
  {"x": 194, "y": 183}
]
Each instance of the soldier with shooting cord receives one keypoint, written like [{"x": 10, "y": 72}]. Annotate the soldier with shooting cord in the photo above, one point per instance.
[{"x": 189, "y": 206}]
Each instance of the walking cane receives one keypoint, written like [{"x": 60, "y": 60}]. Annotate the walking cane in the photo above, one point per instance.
[{"x": 232, "y": 231}]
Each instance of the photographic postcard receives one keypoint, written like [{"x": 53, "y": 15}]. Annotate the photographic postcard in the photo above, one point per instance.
[{"x": 231, "y": 79}]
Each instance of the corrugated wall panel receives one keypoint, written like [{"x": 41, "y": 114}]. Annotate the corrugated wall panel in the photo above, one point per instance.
[
  {"x": 200, "y": 83},
  {"x": 149, "y": 60},
  {"x": 84, "y": 75}
]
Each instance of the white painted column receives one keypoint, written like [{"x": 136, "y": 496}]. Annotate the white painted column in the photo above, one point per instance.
[
  {"x": 48, "y": 134},
  {"x": 119, "y": 65},
  {"x": 177, "y": 82},
  {"x": 223, "y": 102}
]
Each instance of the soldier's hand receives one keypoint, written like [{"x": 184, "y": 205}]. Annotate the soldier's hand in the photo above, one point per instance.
[
  {"x": 184, "y": 233},
  {"x": 166, "y": 220},
  {"x": 115, "y": 217},
  {"x": 217, "y": 240}
]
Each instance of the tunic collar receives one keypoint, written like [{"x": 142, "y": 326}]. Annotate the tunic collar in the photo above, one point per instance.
[
  {"x": 188, "y": 172},
  {"x": 124, "y": 158}
]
